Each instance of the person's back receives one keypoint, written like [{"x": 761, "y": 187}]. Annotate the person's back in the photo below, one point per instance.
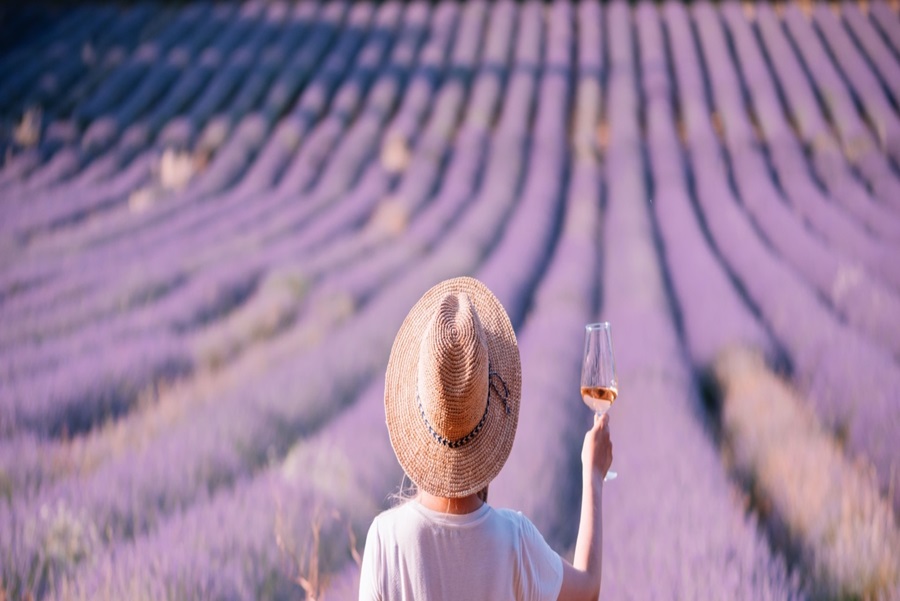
[
  {"x": 413, "y": 552},
  {"x": 451, "y": 399}
]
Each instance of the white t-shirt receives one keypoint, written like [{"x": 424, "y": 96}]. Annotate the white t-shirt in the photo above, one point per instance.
[{"x": 414, "y": 553}]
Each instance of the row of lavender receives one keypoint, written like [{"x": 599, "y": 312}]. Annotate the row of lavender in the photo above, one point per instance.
[
  {"x": 833, "y": 362},
  {"x": 348, "y": 466},
  {"x": 564, "y": 303},
  {"x": 346, "y": 248},
  {"x": 434, "y": 219},
  {"x": 196, "y": 288},
  {"x": 235, "y": 287},
  {"x": 853, "y": 560},
  {"x": 667, "y": 459},
  {"x": 405, "y": 143}
]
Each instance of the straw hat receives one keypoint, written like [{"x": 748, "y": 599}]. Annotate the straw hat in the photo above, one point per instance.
[{"x": 452, "y": 389}]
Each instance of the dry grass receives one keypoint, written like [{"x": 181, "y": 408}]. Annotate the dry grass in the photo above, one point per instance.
[
  {"x": 305, "y": 562},
  {"x": 749, "y": 9},
  {"x": 173, "y": 172},
  {"x": 176, "y": 168},
  {"x": 391, "y": 217},
  {"x": 395, "y": 154},
  {"x": 603, "y": 135},
  {"x": 807, "y": 7},
  {"x": 27, "y": 132},
  {"x": 7, "y": 596},
  {"x": 821, "y": 506}
]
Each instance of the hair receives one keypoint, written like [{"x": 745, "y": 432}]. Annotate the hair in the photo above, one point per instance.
[
  {"x": 408, "y": 491},
  {"x": 482, "y": 494}
]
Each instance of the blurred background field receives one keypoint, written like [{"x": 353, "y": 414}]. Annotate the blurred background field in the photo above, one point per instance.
[{"x": 215, "y": 216}]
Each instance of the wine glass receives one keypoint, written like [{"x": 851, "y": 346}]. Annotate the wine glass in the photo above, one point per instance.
[{"x": 599, "y": 387}]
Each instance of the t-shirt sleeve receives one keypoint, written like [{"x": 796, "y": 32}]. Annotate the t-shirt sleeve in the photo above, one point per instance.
[
  {"x": 542, "y": 567},
  {"x": 370, "y": 574}
]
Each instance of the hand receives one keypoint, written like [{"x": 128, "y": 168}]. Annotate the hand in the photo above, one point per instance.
[{"x": 596, "y": 454}]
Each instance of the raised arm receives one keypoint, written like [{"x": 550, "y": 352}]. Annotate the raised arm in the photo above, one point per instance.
[{"x": 581, "y": 579}]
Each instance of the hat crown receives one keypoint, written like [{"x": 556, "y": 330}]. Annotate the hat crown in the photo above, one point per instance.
[{"x": 453, "y": 368}]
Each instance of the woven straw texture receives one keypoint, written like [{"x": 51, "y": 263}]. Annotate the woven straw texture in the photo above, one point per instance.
[{"x": 452, "y": 424}]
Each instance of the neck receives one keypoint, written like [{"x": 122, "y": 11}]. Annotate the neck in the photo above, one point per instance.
[{"x": 457, "y": 506}]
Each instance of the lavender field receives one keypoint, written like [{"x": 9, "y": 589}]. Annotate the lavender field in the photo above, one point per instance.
[{"x": 215, "y": 216}]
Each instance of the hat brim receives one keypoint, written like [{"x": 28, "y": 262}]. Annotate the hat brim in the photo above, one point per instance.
[{"x": 435, "y": 468}]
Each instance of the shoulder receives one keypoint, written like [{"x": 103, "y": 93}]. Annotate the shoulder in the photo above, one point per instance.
[
  {"x": 393, "y": 514},
  {"x": 386, "y": 518},
  {"x": 387, "y": 523},
  {"x": 516, "y": 520},
  {"x": 527, "y": 536},
  {"x": 384, "y": 534},
  {"x": 521, "y": 530}
]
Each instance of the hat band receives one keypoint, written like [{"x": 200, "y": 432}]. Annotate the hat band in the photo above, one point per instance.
[{"x": 459, "y": 442}]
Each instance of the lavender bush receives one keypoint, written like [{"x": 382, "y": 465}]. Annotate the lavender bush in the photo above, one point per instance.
[
  {"x": 821, "y": 348},
  {"x": 819, "y": 501},
  {"x": 213, "y": 219}
]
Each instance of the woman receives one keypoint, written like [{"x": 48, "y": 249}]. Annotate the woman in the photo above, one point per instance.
[{"x": 452, "y": 393}]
